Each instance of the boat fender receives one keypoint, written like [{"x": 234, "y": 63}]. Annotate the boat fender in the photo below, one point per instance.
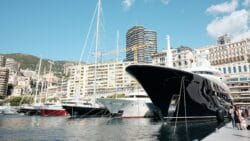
[{"x": 220, "y": 115}]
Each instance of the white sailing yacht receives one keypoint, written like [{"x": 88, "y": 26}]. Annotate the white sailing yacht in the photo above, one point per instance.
[{"x": 79, "y": 108}]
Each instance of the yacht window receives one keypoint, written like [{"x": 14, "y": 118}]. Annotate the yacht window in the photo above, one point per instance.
[
  {"x": 87, "y": 104},
  {"x": 141, "y": 96},
  {"x": 203, "y": 72}
]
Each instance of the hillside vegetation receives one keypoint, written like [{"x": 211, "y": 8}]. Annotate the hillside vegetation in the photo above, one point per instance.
[{"x": 32, "y": 62}]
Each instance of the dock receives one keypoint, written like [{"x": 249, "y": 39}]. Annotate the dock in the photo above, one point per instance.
[{"x": 228, "y": 133}]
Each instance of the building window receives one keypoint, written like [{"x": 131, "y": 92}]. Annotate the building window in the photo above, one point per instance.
[
  {"x": 233, "y": 79},
  {"x": 229, "y": 69},
  {"x": 245, "y": 68},
  {"x": 234, "y": 69},
  {"x": 224, "y": 70},
  {"x": 239, "y": 67},
  {"x": 186, "y": 63},
  {"x": 243, "y": 79}
]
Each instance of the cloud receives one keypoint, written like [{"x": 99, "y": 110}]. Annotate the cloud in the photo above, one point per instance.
[
  {"x": 126, "y": 4},
  {"x": 225, "y": 7},
  {"x": 235, "y": 24},
  {"x": 246, "y": 3},
  {"x": 166, "y": 2},
  {"x": 242, "y": 36}
]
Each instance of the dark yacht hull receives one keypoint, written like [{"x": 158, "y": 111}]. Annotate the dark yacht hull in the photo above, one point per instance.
[
  {"x": 30, "y": 112},
  {"x": 179, "y": 93},
  {"x": 78, "y": 111}
]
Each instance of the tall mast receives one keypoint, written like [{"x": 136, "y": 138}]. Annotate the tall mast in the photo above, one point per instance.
[
  {"x": 117, "y": 55},
  {"x": 38, "y": 80},
  {"x": 169, "y": 53},
  {"x": 96, "y": 44},
  {"x": 117, "y": 46},
  {"x": 49, "y": 81}
]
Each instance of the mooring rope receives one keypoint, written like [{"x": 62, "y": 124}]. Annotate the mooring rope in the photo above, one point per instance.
[
  {"x": 177, "y": 112},
  {"x": 184, "y": 100}
]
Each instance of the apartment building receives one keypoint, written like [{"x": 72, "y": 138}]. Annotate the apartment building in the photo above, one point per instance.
[
  {"x": 4, "y": 76},
  {"x": 110, "y": 78},
  {"x": 2, "y": 61},
  {"x": 233, "y": 59},
  {"x": 182, "y": 57}
]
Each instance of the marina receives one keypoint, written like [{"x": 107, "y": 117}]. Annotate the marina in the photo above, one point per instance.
[
  {"x": 69, "y": 80},
  {"x": 23, "y": 128}
]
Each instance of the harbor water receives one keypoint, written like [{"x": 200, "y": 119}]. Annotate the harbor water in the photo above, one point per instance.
[{"x": 36, "y": 128}]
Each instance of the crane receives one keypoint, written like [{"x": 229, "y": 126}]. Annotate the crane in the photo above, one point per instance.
[
  {"x": 133, "y": 48},
  {"x": 136, "y": 47}
]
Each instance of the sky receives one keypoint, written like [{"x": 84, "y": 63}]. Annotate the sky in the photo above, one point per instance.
[{"x": 57, "y": 29}]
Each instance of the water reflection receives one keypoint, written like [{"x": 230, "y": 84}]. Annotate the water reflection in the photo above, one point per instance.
[
  {"x": 99, "y": 129},
  {"x": 195, "y": 130}
]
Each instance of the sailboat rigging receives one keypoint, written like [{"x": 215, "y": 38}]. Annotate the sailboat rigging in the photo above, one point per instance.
[
  {"x": 33, "y": 109},
  {"x": 85, "y": 109}
]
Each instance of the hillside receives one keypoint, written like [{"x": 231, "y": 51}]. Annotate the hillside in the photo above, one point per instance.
[{"x": 31, "y": 62}]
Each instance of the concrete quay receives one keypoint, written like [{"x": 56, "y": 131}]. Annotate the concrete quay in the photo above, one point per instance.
[{"x": 228, "y": 133}]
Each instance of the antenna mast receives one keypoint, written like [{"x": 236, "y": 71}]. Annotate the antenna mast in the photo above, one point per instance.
[
  {"x": 97, "y": 44},
  {"x": 169, "y": 62}
]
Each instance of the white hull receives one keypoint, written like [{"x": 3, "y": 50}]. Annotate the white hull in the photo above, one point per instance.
[
  {"x": 129, "y": 107},
  {"x": 8, "y": 110}
]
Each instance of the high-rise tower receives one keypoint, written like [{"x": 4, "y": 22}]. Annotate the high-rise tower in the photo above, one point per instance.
[
  {"x": 4, "y": 75},
  {"x": 141, "y": 44},
  {"x": 2, "y": 61}
]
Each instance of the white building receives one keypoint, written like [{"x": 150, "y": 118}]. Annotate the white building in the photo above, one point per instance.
[
  {"x": 110, "y": 78},
  {"x": 23, "y": 86},
  {"x": 12, "y": 65},
  {"x": 2, "y": 61},
  {"x": 62, "y": 87},
  {"x": 4, "y": 76},
  {"x": 233, "y": 59},
  {"x": 182, "y": 57}
]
